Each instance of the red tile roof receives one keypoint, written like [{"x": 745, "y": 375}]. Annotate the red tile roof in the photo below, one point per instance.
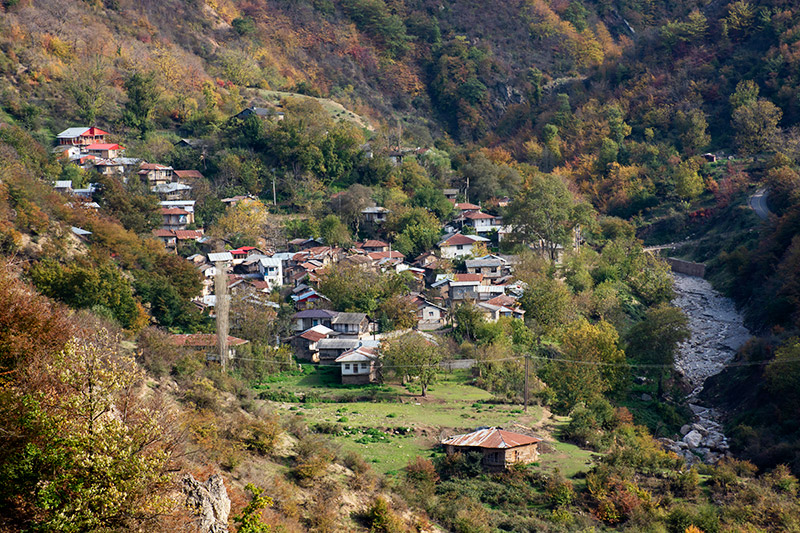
[
  {"x": 493, "y": 438},
  {"x": 373, "y": 243},
  {"x": 502, "y": 300},
  {"x": 173, "y": 211},
  {"x": 476, "y": 215},
  {"x": 184, "y": 234},
  {"x": 163, "y": 233},
  {"x": 104, "y": 146},
  {"x": 191, "y": 174},
  {"x": 377, "y": 256},
  {"x": 468, "y": 277},
  {"x": 312, "y": 335},
  {"x": 457, "y": 239},
  {"x": 466, "y": 206}
]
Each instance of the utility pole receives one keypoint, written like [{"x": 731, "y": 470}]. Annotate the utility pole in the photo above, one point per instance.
[
  {"x": 527, "y": 365},
  {"x": 222, "y": 306},
  {"x": 274, "y": 196}
]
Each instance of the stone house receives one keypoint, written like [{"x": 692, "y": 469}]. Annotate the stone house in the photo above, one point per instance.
[{"x": 500, "y": 448}]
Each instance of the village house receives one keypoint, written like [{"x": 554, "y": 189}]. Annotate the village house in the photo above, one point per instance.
[
  {"x": 331, "y": 348},
  {"x": 172, "y": 191},
  {"x": 105, "y": 150},
  {"x": 208, "y": 343},
  {"x": 351, "y": 324},
  {"x": 175, "y": 218},
  {"x": 172, "y": 238},
  {"x": 479, "y": 221},
  {"x": 81, "y": 136},
  {"x": 373, "y": 245},
  {"x": 297, "y": 245},
  {"x": 271, "y": 269},
  {"x": 465, "y": 287},
  {"x": 358, "y": 366},
  {"x": 375, "y": 215},
  {"x": 155, "y": 174},
  {"x": 306, "y": 344},
  {"x": 187, "y": 176},
  {"x": 429, "y": 315},
  {"x": 450, "y": 194},
  {"x": 466, "y": 207},
  {"x": 501, "y": 449},
  {"x": 233, "y": 200},
  {"x": 491, "y": 266},
  {"x": 458, "y": 245},
  {"x": 309, "y": 318},
  {"x": 63, "y": 186}
]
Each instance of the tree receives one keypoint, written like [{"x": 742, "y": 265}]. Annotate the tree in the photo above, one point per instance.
[
  {"x": 143, "y": 93},
  {"x": 88, "y": 85},
  {"x": 99, "y": 450},
  {"x": 334, "y": 232},
  {"x": 250, "y": 519},
  {"x": 756, "y": 126},
  {"x": 413, "y": 356},
  {"x": 548, "y": 303},
  {"x": 348, "y": 204},
  {"x": 248, "y": 221},
  {"x": 655, "y": 339},
  {"x": 592, "y": 364},
  {"x": 130, "y": 203},
  {"x": 544, "y": 214}
]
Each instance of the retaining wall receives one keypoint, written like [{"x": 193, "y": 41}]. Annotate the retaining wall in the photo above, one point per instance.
[{"x": 680, "y": 266}]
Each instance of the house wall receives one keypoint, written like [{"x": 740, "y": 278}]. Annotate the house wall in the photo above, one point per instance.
[
  {"x": 498, "y": 459},
  {"x": 461, "y": 250}
]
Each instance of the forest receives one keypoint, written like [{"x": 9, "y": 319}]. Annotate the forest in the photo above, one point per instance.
[{"x": 581, "y": 132}]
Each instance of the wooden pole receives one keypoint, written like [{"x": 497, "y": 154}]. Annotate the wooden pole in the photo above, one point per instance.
[
  {"x": 222, "y": 309},
  {"x": 527, "y": 365}
]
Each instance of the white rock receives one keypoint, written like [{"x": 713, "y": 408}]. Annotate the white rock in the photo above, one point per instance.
[{"x": 693, "y": 438}]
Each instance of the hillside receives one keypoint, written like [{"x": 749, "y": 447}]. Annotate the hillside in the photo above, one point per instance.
[{"x": 292, "y": 247}]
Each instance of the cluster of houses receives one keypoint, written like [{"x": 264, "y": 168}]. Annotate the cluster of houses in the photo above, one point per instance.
[
  {"x": 320, "y": 335},
  {"x": 87, "y": 148}
]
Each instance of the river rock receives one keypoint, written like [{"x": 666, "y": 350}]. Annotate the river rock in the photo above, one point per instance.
[
  {"x": 693, "y": 438},
  {"x": 646, "y": 397},
  {"x": 686, "y": 428}
]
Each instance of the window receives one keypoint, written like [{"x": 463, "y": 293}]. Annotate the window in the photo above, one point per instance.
[
  {"x": 347, "y": 366},
  {"x": 363, "y": 366},
  {"x": 459, "y": 247},
  {"x": 430, "y": 313}
]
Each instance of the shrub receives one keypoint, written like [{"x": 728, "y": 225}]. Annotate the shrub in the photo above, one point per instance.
[
  {"x": 381, "y": 519},
  {"x": 559, "y": 491}
]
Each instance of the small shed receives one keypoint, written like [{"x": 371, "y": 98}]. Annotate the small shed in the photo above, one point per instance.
[{"x": 500, "y": 448}]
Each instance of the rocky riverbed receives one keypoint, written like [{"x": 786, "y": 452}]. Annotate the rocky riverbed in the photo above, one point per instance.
[{"x": 717, "y": 332}]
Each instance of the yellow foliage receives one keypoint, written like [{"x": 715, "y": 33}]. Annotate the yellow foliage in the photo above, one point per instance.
[
  {"x": 693, "y": 529},
  {"x": 56, "y": 47}
]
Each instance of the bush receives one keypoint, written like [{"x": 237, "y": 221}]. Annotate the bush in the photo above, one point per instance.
[{"x": 381, "y": 519}]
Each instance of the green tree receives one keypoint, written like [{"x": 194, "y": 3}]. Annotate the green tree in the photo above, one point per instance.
[
  {"x": 756, "y": 126},
  {"x": 413, "y": 356},
  {"x": 143, "y": 94},
  {"x": 130, "y": 203},
  {"x": 544, "y": 214},
  {"x": 655, "y": 339},
  {"x": 334, "y": 232},
  {"x": 591, "y": 364},
  {"x": 250, "y": 519}
]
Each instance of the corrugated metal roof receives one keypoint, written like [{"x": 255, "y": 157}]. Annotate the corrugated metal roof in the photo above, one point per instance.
[
  {"x": 221, "y": 256},
  {"x": 494, "y": 438}
]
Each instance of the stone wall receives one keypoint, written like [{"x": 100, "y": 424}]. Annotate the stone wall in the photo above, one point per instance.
[{"x": 680, "y": 266}]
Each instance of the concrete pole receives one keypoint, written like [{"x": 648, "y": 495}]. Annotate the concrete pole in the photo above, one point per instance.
[{"x": 223, "y": 311}]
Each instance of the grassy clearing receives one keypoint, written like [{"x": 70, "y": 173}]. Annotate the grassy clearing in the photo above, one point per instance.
[
  {"x": 335, "y": 109},
  {"x": 389, "y": 424}
]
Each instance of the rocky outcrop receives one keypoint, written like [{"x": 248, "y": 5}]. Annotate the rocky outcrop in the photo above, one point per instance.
[
  {"x": 717, "y": 332},
  {"x": 209, "y": 502}
]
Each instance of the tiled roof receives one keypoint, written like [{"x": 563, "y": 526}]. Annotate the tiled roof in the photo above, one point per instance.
[
  {"x": 457, "y": 239},
  {"x": 104, "y": 146},
  {"x": 477, "y": 215},
  {"x": 173, "y": 211},
  {"x": 192, "y": 174},
  {"x": 493, "y": 438}
]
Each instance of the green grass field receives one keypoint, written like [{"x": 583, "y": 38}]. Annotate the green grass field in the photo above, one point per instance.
[{"x": 390, "y": 424}]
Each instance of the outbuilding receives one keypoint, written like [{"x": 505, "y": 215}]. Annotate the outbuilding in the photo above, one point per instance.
[{"x": 500, "y": 448}]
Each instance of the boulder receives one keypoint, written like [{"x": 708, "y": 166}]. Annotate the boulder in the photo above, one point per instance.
[
  {"x": 693, "y": 438},
  {"x": 646, "y": 397},
  {"x": 686, "y": 428},
  {"x": 209, "y": 503}
]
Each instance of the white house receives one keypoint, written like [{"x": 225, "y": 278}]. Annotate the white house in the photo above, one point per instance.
[
  {"x": 358, "y": 366},
  {"x": 272, "y": 270},
  {"x": 459, "y": 245},
  {"x": 375, "y": 215},
  {"x": 481, "y": 222}
]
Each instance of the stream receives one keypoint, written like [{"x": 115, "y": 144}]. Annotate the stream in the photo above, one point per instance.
[{"x": 717, "y": 332}]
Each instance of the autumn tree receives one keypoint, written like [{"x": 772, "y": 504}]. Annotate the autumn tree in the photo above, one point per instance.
[
  {"x": 756, "y": 126},
  {"x": 413, "y": 356},
  {"x": 98, "y": 452}
]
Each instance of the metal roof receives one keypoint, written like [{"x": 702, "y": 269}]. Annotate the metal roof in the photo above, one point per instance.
[
  {"x": 349, "y": 318},
  {"x": 221, "y": 256},
  {"x": 494, "y": 438}
]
